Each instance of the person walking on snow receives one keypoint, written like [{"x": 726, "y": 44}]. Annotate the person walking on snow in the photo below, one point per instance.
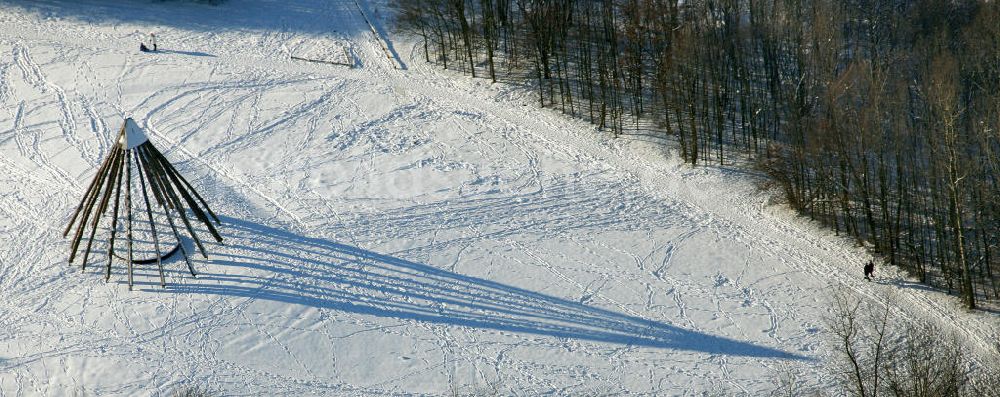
[
  {"x": 869, "y": 270},
  {"x": 152, "y": 40}
]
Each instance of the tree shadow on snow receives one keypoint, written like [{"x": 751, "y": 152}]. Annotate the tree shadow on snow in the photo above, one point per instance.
[
  {"x": 279, "y": 266},
  {"x": 299, "y": 16}
]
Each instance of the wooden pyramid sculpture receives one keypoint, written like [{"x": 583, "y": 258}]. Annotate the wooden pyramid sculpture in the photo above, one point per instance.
[{"x": 173, "y": 195}]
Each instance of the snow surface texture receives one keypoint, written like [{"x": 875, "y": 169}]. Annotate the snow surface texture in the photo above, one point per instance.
[{"x": 390, "y": 229}]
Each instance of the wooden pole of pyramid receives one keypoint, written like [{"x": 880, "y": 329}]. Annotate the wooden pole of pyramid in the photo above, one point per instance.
[
  {"x": 128, "y": 213},
  {"x": 160, "y": 194},
  {"x": 170, "y": 190},
  {"x": 152, "y": 223},
  {"x": 114, "y": 220}
]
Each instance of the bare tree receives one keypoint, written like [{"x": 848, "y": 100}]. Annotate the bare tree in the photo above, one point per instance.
[{"x": 860, "y": 329}]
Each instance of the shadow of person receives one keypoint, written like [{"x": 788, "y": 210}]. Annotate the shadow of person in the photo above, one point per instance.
[
  {"x": 188, "y": 53},
  {"x": 265, "y": 263}
]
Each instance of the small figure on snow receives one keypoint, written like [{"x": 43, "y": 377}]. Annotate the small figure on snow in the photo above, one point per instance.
[
  {"x": 152, "y": 40},
  {"x": 869, "y": 270},
  {"x": 143, "y": 48}
]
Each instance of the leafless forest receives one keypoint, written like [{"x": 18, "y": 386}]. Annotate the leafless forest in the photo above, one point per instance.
[{"x": 879, "y": 118}]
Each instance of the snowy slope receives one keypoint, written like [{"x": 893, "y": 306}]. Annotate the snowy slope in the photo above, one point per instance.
[{"x": 390, "y": 229}]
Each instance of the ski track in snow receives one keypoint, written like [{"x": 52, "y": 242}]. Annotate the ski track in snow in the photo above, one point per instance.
[{"x": 388, "y": 231}]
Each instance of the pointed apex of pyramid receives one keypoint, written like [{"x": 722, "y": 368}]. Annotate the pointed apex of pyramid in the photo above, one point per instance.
[{"x": 134, "y": 136}]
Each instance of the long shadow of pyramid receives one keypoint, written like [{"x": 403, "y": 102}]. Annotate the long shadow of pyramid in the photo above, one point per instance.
[{"x": 276, "y": 265}]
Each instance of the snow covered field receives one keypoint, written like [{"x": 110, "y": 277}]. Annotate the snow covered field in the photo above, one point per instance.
[{"x": 391, "y": 229}]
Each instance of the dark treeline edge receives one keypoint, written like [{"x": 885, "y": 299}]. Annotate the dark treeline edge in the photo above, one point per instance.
[{"x": 878, "y": 118}]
